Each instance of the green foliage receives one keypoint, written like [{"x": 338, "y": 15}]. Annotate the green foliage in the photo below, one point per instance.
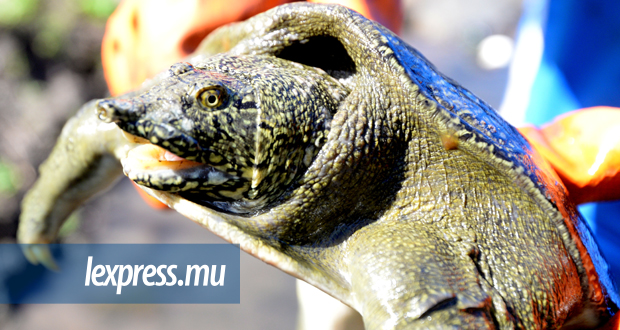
[
  {"x": 14, "y": 12},
  {"x": 71, "y": 225},
  {"x": 47, "y": 43},
  {"x": 10, "y": 180},
  {"x": 98, "y": 8}
]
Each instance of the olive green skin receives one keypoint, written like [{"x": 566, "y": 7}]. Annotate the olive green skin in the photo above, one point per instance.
[{"x": 422, "y": 208}]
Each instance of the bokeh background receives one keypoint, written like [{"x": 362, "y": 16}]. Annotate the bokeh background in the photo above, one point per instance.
[{"x": 50, "y": 64}]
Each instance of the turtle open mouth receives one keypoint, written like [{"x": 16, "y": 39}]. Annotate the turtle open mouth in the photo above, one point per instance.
[{"x": 155, "y": 167}]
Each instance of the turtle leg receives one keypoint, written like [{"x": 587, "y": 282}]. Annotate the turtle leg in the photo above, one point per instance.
[
  {"x": 83, "y": 162},
  {"x": 407, "y": 276}
]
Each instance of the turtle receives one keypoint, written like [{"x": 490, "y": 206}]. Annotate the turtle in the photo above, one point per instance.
[{"x": 323, "y": 144}]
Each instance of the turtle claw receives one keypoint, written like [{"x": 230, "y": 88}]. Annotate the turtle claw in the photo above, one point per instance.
[{"x": 40, "y": 253}]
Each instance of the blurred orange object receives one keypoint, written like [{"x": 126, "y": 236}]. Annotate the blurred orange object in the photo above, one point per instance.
[
  {"x": 144, "y": 37},
  {"x": 583, "y": 147},
  {"x": 150, "y": 200}
]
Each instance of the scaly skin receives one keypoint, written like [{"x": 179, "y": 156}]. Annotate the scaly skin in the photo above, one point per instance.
[{"x": 422, "y": 208}]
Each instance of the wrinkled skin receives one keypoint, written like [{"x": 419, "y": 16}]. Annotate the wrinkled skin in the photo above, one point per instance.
[{"x": 420, "y": 208}]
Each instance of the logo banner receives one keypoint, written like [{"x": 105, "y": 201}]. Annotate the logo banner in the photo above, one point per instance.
[{"x": 121, "y": 274}]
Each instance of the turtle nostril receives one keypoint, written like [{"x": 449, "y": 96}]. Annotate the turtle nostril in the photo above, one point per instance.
[
  {"x": 105, "y": 111},
  {"x": 116, "y": 110}
]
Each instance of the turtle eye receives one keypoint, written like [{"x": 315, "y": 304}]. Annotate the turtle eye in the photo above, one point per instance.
[{"x": 212, "y": 97}]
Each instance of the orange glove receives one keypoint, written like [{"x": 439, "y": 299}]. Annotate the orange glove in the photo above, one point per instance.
[
  {"x": 583, "y": 147},
  {"x": 144, "y": 37}
]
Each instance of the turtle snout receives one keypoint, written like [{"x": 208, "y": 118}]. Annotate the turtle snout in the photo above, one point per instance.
[{"x": 117, "y": 111}]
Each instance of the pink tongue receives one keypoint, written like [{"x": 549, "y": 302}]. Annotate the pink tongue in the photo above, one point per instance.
[
  {"x": 149, "y": 157},
  {"x": 172, "y": 157}
]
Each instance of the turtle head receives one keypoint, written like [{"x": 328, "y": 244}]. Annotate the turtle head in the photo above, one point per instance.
[{"x": 231, "y": 133}]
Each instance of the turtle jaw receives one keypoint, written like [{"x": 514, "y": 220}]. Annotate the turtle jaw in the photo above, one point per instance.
[{"x": 154, "y": 167}]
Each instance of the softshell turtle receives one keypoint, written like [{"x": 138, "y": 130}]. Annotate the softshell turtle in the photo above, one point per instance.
[{"x": 324, "y": 145}]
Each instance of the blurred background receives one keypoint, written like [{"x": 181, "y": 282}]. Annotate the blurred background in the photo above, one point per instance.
[{"x": 50, "y": 64}]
